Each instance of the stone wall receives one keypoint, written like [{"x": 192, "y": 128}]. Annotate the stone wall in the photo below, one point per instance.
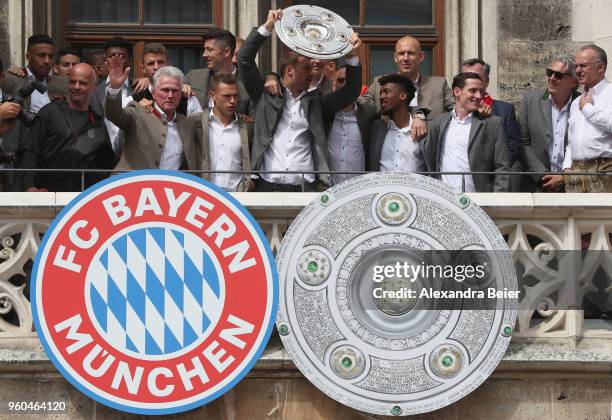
[
  {"x": 530, "y": 35},
  {"x": 4, "y": 34}
]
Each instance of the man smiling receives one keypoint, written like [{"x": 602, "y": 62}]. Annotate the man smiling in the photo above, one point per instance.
[
  {"x": 160, "y": 139},
  {"x": 459, "y": 141}
]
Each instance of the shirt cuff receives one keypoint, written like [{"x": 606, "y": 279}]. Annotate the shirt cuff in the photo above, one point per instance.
[
  {"x": 113, "y": 92},
  {"x": 588, "y": 110},
  {"x": 353, "y": 61},
  {"x": 263, "y": 31}
]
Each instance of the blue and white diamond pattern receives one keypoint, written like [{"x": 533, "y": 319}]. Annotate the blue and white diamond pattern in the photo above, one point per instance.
[{"x": 154, "y": 290}]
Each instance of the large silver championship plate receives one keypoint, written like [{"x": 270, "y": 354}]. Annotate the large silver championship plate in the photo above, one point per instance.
[
  {"x": 314, "y": 32},
  {"x": 389, "y": 353}
]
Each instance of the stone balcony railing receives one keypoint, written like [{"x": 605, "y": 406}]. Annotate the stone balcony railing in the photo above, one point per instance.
[{"x": 531, "y": 222}]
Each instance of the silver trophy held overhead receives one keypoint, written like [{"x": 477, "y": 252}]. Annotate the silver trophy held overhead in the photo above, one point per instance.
[{"x": 314, "y": 32}]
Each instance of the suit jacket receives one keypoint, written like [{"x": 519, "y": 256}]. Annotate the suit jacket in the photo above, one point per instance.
[
  {"x": 535, "y": 120},
  {"x": 434, "y": 94},
  {"x": 200, "y": 129},
  {"x": 365, "y": 114},
  {"x": 199, "y": 80},
  {"x": 487, "y": 150},
  {"x": 98, "y": 99},
  {"x": 319, "y": 108},
  {"x": 145, "y": 136},
  {"x": 505, "y": 111}
]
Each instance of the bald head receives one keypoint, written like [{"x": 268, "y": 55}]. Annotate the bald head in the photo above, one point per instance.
[
  {"x": 82, "y": 83},
  {"x": 408, "y": 57}
]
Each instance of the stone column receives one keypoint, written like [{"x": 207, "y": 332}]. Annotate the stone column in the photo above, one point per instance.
[{"x": 590, "y": 22}]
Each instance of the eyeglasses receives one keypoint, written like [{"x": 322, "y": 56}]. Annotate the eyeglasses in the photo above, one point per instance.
[
  {"x": 584, "y": 65},
  {"x": 558, "y": 75}
]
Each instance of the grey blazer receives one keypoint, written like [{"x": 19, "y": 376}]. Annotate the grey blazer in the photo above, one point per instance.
[
  {"x": 487, "y": 150},
  {"x": 319, "y": 108},
  {"x": 434, "y": 95},
  {"x": 535, "y": 121},
  {"x": 200, "y": 126},
  {"x": 199, "y": 80}
]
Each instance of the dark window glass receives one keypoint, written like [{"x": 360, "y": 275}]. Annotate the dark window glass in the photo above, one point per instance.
[
  {"x": 381, "y": 61},
  {"x": 190, "y": 12},
  {"x": 348, "y": 9},
  {"x": 109, "y": 11},
  {"x": 399, "y": 13},
  {"x": 186, "y": 58}
]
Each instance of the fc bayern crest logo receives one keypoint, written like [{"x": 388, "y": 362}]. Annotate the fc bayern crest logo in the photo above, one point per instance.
[{"x": 154, "y": 292}]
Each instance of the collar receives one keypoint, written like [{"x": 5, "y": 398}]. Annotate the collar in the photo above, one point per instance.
[
  {"x": 392, "y": 126},
  {"x": 466, "y": 120},
  {"x": 417, "y": 82},
  {"x": 353, "y": 109},
  {"x": 31, "y": 76},
  {"x": 126, "y": 84},
  {"x": 599, "y": 87},
  {"x": 290, "y": 95},
  {"x": 565, "y": 107},
  {"x": 212, "y": 116},
  {"x": 162, "y": 115}
]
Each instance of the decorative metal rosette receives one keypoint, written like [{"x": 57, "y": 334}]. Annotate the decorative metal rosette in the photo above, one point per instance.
[
  {"x": 314, "y": 32},
  {"x": 367, "y": 337}
]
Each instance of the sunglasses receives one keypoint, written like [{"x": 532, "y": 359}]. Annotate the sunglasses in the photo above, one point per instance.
[{"x": 558, "y": 75}]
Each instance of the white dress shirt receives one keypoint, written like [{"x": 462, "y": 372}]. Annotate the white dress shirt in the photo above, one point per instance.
[
  {"x": 590, "y": 129},
  {"x": 113, "y": 130},
  {"x": 172, "y": 155},
  {"x": 345, "y": 146},
  {"x": 556, "y": 148},
  {"x": 454, "y": 155},
  {"x": 225, "y": 152},
  {"x": 37, "y": 99},
  {"x": 400, "y": 152}
]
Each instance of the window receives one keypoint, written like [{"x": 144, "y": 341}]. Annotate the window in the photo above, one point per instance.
[
  {"x": 381, "y": 23},
  {"x": 179, "y": 25}
]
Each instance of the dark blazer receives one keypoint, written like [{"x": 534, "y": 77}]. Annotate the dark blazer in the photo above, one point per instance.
[
  {"x": 434, "y": 95},
  {"x": 505, "y": 110},
  {"x": 487, "y": 150},
  {"x": 199, "y": 80},
  {"x": 378, "y": 132},
  {"x": 365, "y": 114},
  {"x": 535, "y": 120},
  {"x": 200, "y": 127},
  {"x": 268, "y": 109}
]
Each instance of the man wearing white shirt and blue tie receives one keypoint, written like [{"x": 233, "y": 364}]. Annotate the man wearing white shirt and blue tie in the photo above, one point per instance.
[{"x": 589, "y": 146}]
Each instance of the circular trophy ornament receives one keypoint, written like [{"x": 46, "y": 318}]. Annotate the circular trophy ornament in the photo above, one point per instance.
[
  {"x": 314, "y": 32},
  {"x": 394, "y": 294}
]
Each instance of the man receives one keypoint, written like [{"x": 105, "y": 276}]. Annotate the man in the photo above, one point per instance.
[
  {"x": 289, "y": 130},
  {"x": 348, "y": 135},
  {"x": 40, "y": 59},
  {"x": 155, "y": 56},
  {"x": 68, "y": 135},
  {"x": 58, "y": 82},
  {"x": 225, "y": 137},
  {"x": 432, "y": 92},
  {"x": 459, "y": 141},
  {"x": 543, "y": 119},
  {"x": 504, "y": 110},
  {"x": 589, "y": 146},
  {"x": 391, "y": 145},
  {"x": 122, "y": 49},
  {"x": 160, "y": 139},
  {"x": 219, "y": 46},
  {"x": 239, "y": 42},
  {"x": 97, "y": 60}
]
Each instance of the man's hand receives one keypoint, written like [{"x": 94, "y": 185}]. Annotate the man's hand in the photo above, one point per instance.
[
  {"x": 187, "y": 92},
  {"x": 419, "y": 129},
  {"x": 140, "y": 84},
  {"x": 250, "y": 185},
  {"x": 17, "y": 71},
  {"x": 273, "y": 86},
  {"x": 116, "y": 74},
  {"x": 356, "y": 43},
  {"x": 485, "y": 110},
  {"x": 585, "y": 99},
  {"x": 147, "y": 104},
  {"x": 9, "y": 110},
  {"x": 273, "y": 16},
  {"x": 552, "y": 182},
  {"x": 247, "y": 119}
]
